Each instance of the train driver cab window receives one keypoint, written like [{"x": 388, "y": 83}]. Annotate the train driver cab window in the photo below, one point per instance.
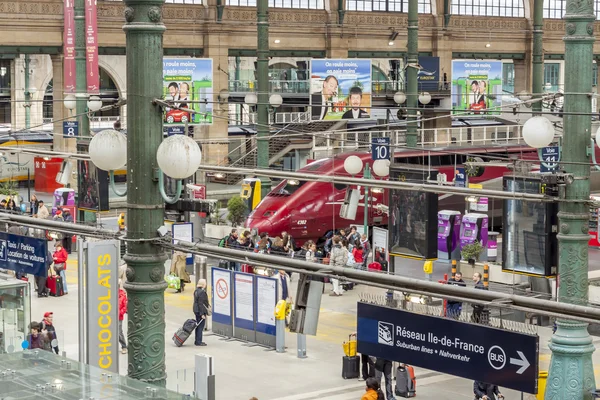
[
  {"x": 291, "y": 186},
  {"x": 340, "y": 186}
]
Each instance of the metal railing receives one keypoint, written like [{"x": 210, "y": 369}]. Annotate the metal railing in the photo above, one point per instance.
[{"x": 460, "y": 136}]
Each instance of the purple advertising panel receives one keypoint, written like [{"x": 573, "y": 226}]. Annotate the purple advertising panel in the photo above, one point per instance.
[
  {"x": 69, "y": 47},
  {"x": 91, "y": 47}
]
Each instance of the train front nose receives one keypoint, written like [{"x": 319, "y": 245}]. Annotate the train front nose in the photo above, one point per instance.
[{"x": 261, "y": 224}]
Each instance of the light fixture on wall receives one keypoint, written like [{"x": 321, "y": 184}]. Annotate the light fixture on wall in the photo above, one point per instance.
[
  {"x": 3, "y": 71},
  {"x": 392, "y": 37},
  {"x": 277, "y": 41},
  {"x": 488, "y": 44}
]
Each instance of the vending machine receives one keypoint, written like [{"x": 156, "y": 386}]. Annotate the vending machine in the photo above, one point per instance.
[
  {"x": 474, "y": 228},
  {"x": 449, "y": 235}
]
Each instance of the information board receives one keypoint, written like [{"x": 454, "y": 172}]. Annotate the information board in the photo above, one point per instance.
[
  {"x": 478, "y": 352},
  {"x": 243, "y": 289},
  {"x": 266, "y": 299},
  {"x": 184, "y": 231},
  {"x": 23, "y": 254},
  {"x": 222, "y": 318}
]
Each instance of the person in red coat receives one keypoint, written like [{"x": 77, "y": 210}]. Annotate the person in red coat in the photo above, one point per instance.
[
  {"x": 122, "y": 312},
  {"x": 60, "y": 264}
]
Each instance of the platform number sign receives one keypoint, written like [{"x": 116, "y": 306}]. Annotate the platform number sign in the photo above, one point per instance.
[
  {"x": 550, "y": 157},
  {"x": 380, "y": 148},
  {"x": 70, "y": 128}
]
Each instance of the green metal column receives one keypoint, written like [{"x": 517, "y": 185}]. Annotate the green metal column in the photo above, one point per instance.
[
  {"x": 571, "y": 373},
  {"x": 538, "y": 53},
  {"x": 27, "y": 94},
  {"x": 145, "y": 284},
  {"x": 366, "y": 175},
  {"x": 262, "y": 108},
  {"x": 412, "y": 96}
]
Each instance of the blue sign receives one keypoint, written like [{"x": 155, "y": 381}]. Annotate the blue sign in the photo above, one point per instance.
[
  {"x": 23, "y": 254},
  {"x": 175, "y": 130},
  {"x": 380, "y": 148},
  {"x": 222, "y": 315},
  {"x": 70, "y": 128},
  {"x": 550, "y": 156},
  {"x": 460, "y": 177},
  {"x": 428, "y": 76},
  {"x": 478, "y": 352}
]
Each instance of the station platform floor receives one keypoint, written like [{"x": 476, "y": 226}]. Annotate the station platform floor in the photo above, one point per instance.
[{"x": 243, "y": 371}]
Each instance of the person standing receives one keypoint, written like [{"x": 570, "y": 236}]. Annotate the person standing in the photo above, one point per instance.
[
  {"x": 353, "y": 238},
  {"x": 339, "y": 258},
  {"x": 454, "y": 308},
  {"x": 283, "y": 287},
  {"x": 59, "y": 257},
  {"x": 42, "y": 210},
  {"x": 486, "y": 391},
  {"x": 38, "y": 338},
  {"x": 383, "y": 368},
  {"x": 479, "y": 312},
  {"x": 33, "y": 205},
  {"x": 122, "y": 312},
  {"x": 67, "y": 238},
  {"x": 178, "y": 268},
  {"x": 201, "y": 306},
  {"x": 48, "y": 326},
  {"x": 364, "y": 242},
  {"x": 358, "y": 254}
]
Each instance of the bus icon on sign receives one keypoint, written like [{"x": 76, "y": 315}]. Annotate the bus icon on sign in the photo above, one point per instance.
[{"x": 385, "y": 333}]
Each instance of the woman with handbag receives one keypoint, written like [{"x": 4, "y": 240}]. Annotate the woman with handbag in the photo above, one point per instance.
[
  {"x": 202, "y": 309},
  {"x": 60, "y": 264}
]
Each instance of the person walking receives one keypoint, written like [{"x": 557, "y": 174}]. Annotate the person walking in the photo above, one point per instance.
[
  {"x": 364, "y": 242},
  {"x": 383, "y": 368},
  {"x": 42, "y": 210},
  {"x": 480, "y": 314},
  {"x": 33, "y": 205},
  {"x": 201, "y": 307},
  {"x": 59, "y": 257},
  {"x": 122, "y": 312},
  {"x": 178, "y": 268},
  {"x": 48, "y": 326},
  {"x": 339, "y": 258},
  {"x": 454, "y": 308}
]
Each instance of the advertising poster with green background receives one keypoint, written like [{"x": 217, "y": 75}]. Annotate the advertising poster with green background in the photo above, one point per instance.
[
  {"x": 188, "y": 82},
  {"x": 476, "y": 87}
]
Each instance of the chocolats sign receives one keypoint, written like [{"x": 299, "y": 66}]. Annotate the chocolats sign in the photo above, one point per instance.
[{"x": 471, "y": 351}]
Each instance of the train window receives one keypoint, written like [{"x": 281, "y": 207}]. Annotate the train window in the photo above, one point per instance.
[
  {"x": 291, "y": 186},
  {"x": 269, "y": 213},
  {"x": 340, "y": 186}
]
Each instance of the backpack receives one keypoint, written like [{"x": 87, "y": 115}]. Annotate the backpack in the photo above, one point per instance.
[{"x": 223, "y": 242}]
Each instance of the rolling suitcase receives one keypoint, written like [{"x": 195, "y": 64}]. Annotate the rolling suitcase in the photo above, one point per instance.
[
  {"x": 184, "y": 332},
  {"x": 406, "y": 383},
  {"x": 350, "y": 367},
  {"x": 55, "y": 286}
]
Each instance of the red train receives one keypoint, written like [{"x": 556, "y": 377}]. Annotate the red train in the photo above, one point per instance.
[{"x": 308, "y": 210}]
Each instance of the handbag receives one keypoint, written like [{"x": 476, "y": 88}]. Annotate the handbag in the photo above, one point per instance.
[
  {"x": 209, "y": 310},
  {"x": 59, "y": 267},
  {"x": 173, "y": 281}
]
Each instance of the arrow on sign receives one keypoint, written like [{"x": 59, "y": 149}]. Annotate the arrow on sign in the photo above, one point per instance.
[{"x": 522, "y": 362}]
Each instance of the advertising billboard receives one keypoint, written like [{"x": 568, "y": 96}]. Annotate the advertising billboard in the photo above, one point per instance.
[
  {"x": 188, "y": 82},
  {"x": 93, "y": 187},
  {"x": 476, "y": 87},
  {"x": 428, "y": 77},
  {"x": 340, "y": 89},
  {"x": 69, "y": 47}
]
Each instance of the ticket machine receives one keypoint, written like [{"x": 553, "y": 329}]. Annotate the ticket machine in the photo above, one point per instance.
[
  {"x": 449, "y": 235},
  {"x": 474, "y": 228}
]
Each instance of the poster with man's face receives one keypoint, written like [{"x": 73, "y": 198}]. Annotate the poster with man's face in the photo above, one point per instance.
[
  {"x": 340, "y": 89},
  {"x": 476, "y": 87}
]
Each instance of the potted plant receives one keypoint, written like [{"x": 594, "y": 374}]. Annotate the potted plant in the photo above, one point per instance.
[
  {"x": 471, "y": 252},
  {"x": 237, "y": 208}
]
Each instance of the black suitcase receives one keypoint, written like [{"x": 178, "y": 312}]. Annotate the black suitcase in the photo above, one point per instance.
[
  {"x": 180, "y": 337},
  {"x": 224, "y": 264},
  {"x": 350, "y": 367},
  {"x": 405, "y": 386},
  {"x": 189, "y": 325}
]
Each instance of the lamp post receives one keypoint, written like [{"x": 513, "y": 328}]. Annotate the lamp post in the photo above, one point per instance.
[
  {"x": 28, "y": 91},
  {"x": 353, "y": 165},
  {"x": 571, "y": 345}
]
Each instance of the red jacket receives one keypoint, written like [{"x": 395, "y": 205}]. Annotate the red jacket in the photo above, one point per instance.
[
  {"x": 122, "y": 304},
  {"x": 358, "y": 255},
  {"x": 60, "y": 256}
]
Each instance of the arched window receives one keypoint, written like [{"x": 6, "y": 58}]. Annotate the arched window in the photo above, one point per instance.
[
  {"x": 489, "y": 8},
  {"x": 300, "y": 4},
  {"x": 48, "y": 101},
  {"x": 387, "y": 5}
]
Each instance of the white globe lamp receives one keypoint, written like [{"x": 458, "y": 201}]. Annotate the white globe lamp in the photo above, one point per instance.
[
  {"x": 70, "y": 102},
  {"x": 538, "y": 132},
  {"x": 381, "y": 167},
  {"x": 399, "y": 98},
  {"x": 424, "y": 98},
  {"x": 275, "y": 100},
  {"x": 108, "y": 150},
  {"x": 353, "y": 165},
  {"x": 94, "y": 103},
  {"x": 251, "y": 99},
  {"x": 179, "y": 156}
]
